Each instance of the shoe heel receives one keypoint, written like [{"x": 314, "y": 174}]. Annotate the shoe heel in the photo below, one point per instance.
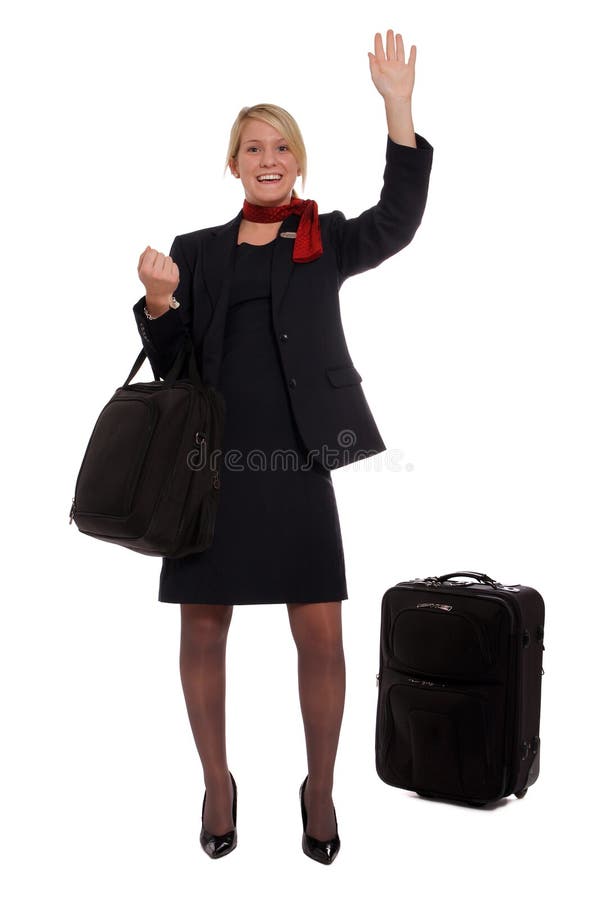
[
  {"x": 218, "y": 845},
  {"x": 321, "y": 851}
]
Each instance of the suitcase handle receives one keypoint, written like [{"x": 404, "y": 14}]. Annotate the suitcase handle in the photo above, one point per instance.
[{"x": 479, "y": 576}]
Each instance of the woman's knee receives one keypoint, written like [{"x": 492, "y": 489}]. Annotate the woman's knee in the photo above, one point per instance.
[
  {"x": 317, "y": 628},
  {"x": 205, "y": 624}
]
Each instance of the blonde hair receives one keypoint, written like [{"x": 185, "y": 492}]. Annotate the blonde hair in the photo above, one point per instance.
[{"x": 278, "y": 118}]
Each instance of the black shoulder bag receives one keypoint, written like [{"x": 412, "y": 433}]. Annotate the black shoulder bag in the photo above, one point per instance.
[{"x": 149, "y": 479}]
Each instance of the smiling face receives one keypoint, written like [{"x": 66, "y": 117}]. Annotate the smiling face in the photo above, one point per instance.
[{"x": 263, "y": 151}]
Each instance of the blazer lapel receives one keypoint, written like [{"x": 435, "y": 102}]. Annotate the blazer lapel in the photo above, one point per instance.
[
  {"x": 218, "y": 262},
  {"x": 218, "y": 258}
]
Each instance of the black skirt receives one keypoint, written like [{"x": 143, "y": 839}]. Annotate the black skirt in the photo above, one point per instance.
[{"x": 277, "y": 535}]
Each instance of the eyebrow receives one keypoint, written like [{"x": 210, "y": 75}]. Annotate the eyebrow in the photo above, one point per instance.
[{"x": 258, "y": 141}]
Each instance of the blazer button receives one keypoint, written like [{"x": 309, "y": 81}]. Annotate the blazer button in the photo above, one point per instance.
[
  {"x": 292, "y": 382},
  {"x": 283, "y": 336}
]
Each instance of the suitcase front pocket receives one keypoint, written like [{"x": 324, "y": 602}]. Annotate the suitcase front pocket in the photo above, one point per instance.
[
  {"x": 439, "y": 642},
  {"x": 436, "y": 738}
]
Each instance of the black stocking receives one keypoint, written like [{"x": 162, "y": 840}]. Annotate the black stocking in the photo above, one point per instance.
[
  {"x": 317, "y": 632},
  {"x": 204, "y": 629}
]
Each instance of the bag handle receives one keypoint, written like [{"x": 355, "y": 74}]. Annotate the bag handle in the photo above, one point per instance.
[
  {"x": 136, "y": 366},
  {"x": 177, "y": 367},
  {"x": 479, "y": 576}
]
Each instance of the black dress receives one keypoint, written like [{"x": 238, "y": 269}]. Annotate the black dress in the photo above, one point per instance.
[{"x": 277, "y": 535}]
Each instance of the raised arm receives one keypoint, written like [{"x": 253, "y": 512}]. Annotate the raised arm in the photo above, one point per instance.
[
  {"x": 162, "y": 337},
  {"x": 363, "y": 242}
]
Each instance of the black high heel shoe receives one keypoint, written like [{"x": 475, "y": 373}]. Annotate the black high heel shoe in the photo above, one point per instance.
[
  {"x": 323, "y": 851},
  {"x": 218, "y": 845}
]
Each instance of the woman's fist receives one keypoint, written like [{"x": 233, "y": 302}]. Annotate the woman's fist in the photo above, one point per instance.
[{"x": 158, "y": 273}]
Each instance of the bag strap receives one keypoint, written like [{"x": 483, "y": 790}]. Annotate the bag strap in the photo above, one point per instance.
[
  {"x": 186, "y": 349},
  {"x": 136, "y": 366}
]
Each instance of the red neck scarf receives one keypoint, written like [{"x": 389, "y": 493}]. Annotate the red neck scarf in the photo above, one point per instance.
[{"x": 307, "y": 245}]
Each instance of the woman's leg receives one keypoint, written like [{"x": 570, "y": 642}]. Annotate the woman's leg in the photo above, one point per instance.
[
  {"x": 204, "y": 629},
  {"x": 317, "y": 632}
]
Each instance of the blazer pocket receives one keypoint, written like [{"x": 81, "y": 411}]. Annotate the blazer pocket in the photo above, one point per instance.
[{"x": 339, "y": 376}]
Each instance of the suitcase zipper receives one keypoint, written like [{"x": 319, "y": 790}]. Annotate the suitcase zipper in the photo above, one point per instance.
[
  {"x": 495, "y": 598},
  {"x": 414, "y": 680},
  {"x": 432, "y": 683}
]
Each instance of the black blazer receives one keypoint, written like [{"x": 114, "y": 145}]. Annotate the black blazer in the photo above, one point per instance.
[{"x": 330, "y": 408}]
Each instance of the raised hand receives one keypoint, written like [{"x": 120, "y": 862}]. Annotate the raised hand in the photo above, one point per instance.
[
  {"x": 393, "y": 77},
  {"x": 158, "y": 273}
]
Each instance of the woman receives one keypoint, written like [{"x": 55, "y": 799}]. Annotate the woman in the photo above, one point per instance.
[{"x": 261, "y": 304}]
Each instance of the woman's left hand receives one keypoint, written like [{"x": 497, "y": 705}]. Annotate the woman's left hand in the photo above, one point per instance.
[{"x": 391, "y": 76}]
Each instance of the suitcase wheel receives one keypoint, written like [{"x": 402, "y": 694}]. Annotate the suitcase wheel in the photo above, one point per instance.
[{"x": 521, "y": 794}]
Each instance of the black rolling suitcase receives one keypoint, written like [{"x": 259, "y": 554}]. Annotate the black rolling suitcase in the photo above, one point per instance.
[{"x": 459, "y": 688}]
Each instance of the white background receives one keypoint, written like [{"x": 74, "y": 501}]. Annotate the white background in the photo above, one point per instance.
[{"x": 478, "y": 350}]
